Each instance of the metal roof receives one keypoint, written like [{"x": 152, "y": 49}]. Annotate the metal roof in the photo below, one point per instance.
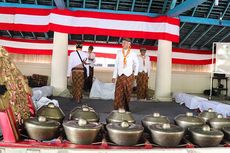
[{"x": 196, "y": 30}]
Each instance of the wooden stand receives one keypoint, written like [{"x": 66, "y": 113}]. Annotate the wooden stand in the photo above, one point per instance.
[{"x": 217, "y": 88}]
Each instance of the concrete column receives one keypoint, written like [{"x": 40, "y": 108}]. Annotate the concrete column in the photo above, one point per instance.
[
  {"x": 163, "y": 72},
  {"x": 59, "y": 62}
]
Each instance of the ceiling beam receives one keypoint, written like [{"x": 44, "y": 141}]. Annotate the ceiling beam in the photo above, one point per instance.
[
  {"x": 52, "y": 3},
  {"x": 21, "y": 34},
  {"x": 227, "y": 35},
  {"x": 60, "y": 4},
  {"x": 226, "y": 9},
  {"x": 117, "y": 6},
  {"x": 133, "y": 5},
  {"x": 34, "y": 35},
  {"x": 173, "y": 4},
  {"x": 69, "y": 37},
  {"x": 156, "y": 43},
  {"x": 3, "y": 4},
  {"x": 133, "y": 40},
  {"x": 188, "y": 35},
  {"x": 83, "y": 4},
  {"x": 164, "y": 6},
  {"x": 46, "y": 35},
  {"x": 99, "y": 4},
  {"x": 67, "y": 3},
  {"x": 202, "y": 35},
  {"x": 107, "y": 40},
  {"x": 8, "y": 32},
  {"x": 183, "y": 7},
  {"x": 149, "y": 6},
  {"x": 119, "y": 40},
  {"x": 213, "y": 37},
  {"x": 182, "y": 26},
  {"x": 207, "y": 21},
  {"x": 184, "y": 19},
  {"x": 193, "y": 12},
  {"x": 143, "y": 42},
  {"x": 211, "y": 8}
]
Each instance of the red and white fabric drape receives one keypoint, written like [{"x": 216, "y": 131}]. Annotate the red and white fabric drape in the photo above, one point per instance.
[
  {"x": 45, "y": 47},
  {"x": 88, "y": 22}
]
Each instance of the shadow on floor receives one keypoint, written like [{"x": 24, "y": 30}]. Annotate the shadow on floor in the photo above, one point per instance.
[{"x": 138, "y": 109}]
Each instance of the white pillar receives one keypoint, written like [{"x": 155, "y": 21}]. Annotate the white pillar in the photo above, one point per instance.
[
  {"x": 59, "y": 62},
  {"x": 163, "y": 71}
]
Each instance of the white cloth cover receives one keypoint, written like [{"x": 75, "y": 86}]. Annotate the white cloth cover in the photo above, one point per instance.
[
  {"x": 194, "y": 102},
  {"x": 179, "y": 97},
  {"x": 102, "y": 90},
  {"x": 45, "y": 101},
  {"x": 190, "y": 101},
  {"x": 223, "y": 109},
  {"x": 208, "y": 104},
  {"x": 40, "y": 94},
  {"x": 218, "y": 107},
  {"x": 37, "y": 95},
  {"x": 46, "y": 91}
]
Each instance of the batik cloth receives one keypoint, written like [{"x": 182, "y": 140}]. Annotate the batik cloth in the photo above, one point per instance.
[
  {"x": 142, "y": 85},
  {"x": 123, "y": 91},
  {"x": 78, "y": 83}
]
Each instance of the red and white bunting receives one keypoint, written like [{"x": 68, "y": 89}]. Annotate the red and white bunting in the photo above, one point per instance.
[
  {"x": 44, "y": 47},
  {"x": 88, "y": 22}
]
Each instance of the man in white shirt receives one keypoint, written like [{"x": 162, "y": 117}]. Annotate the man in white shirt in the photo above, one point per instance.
[
  {"x": 90, "y": 61},
  {"x": 77, "y": 68},
  {"x": 126, "y": 67},
  {"x": 143, "y": 74}
]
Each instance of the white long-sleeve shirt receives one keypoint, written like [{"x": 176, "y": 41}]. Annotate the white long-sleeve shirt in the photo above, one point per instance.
[
  {"x": 147, "y": 67},
  {"x": 132, "y": 64},
  {"x": 91, "y": 59},
  {"x": 75, "y": 60}
]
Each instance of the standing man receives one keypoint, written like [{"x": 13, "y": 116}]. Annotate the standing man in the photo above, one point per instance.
[
  {"x": 126, "y": 67},
  {"x": 77, "y": 68},
  {"x": 91, "y": 60},
  {"x": 143, "y": 74}
]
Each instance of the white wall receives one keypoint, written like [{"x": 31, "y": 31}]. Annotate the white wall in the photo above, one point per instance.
[
  {"x": 34, "y": 68},
  {"x": 190, "y": 82},
  {"x": 181, "y": 81}
]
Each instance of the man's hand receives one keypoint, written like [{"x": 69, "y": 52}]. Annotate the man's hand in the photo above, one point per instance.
[
  {"x": 85, "y": 61},
  {"x": 113, "y": 80}
]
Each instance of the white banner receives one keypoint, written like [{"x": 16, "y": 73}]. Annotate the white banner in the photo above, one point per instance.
[{"x": 222, "y": 58}]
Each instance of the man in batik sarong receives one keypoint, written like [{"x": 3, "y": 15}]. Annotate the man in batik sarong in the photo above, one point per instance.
[
  {"x": 75, "y": 72},
  {"x": 143, "y": 75},
  {"x": 125, "y": 71}
]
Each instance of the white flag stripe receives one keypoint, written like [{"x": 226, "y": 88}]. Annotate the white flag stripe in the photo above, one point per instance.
[
  {"x": 26, "y": 45},
  {"x": 31, "y": 19},
  {"x": 6, "y": 18},
  {"x": 191, "y": 56}
]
